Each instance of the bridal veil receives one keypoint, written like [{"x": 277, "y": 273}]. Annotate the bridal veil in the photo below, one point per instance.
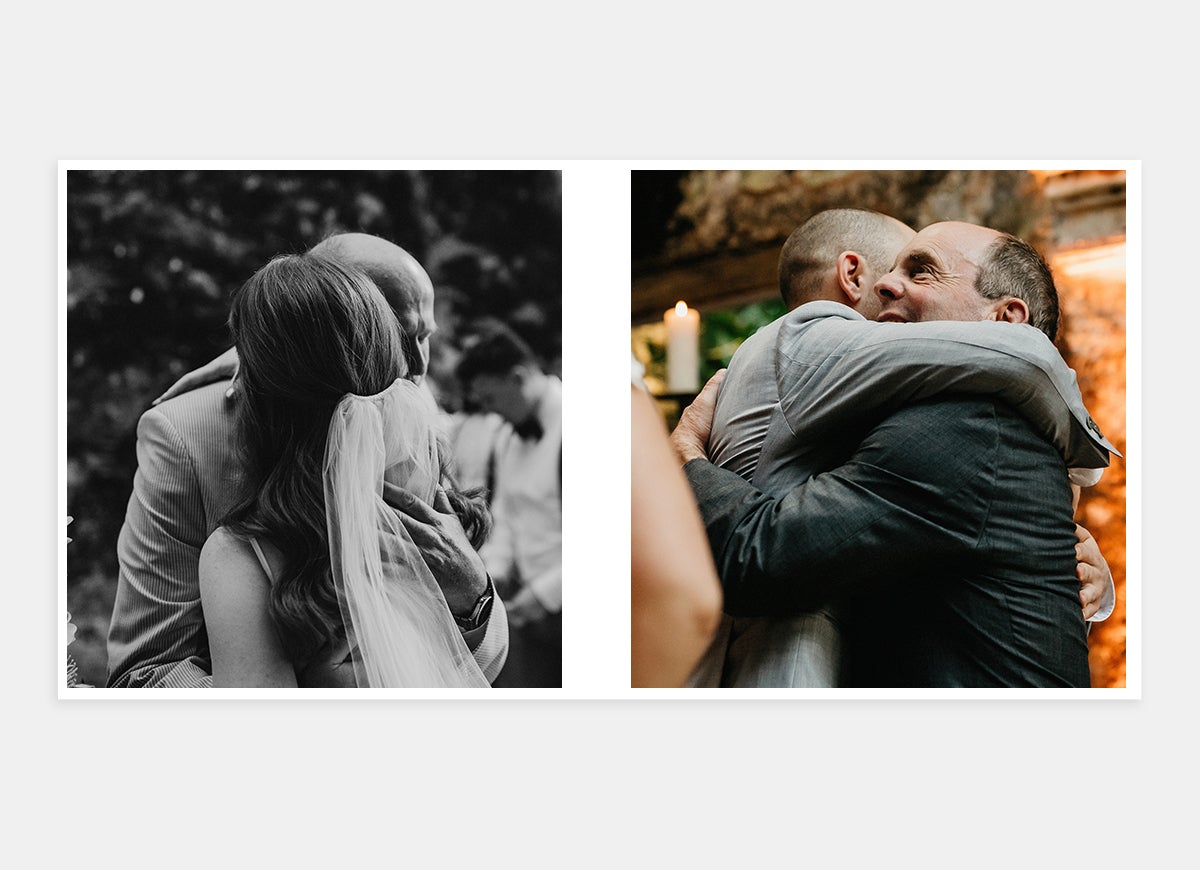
[{"x": 392, "y": 607}]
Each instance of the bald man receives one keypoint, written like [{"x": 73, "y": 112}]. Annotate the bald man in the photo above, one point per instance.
[
  {"x": 801, "y": 393},
  {"x": 405, "y": 285},
  {"x": 188, "y": 477}
]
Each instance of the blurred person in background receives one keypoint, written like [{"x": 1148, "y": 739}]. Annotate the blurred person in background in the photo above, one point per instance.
[
  {"x": 473, "y": 430},
  {"x": 503, "y": 376}
]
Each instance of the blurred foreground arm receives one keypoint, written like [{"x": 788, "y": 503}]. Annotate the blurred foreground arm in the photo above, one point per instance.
[{"x": 675, "y": 595}]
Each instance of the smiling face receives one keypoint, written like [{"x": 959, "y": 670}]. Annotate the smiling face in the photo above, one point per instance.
[{"x": 935, "y": 276}]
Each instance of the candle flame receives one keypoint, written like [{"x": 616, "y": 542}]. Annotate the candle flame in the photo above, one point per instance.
[{"x": 681, "y": 309}]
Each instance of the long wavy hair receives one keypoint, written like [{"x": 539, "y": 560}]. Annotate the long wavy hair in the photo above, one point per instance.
[{"x": 309, "y": 331}]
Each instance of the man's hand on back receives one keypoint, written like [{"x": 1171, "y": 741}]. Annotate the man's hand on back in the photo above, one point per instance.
[
  {"x": 439, "y": 535},
  {"x": 1092, "y": 571},
  {"x": 690, "y": 438}
]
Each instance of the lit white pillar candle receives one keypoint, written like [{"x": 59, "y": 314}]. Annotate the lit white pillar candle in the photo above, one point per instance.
[{"x": 683, "y": 349}]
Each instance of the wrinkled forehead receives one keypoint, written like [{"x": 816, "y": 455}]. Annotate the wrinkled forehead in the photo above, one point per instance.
[{"x": 954, "y": 243}]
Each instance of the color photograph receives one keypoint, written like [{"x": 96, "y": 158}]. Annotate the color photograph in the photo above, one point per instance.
[{"x": 887, "y": 411}]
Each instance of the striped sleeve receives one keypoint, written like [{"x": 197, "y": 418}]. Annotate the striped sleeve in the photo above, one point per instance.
[
  {"x": 492, "y": 651},
  {"x": 157, "y": 637}
]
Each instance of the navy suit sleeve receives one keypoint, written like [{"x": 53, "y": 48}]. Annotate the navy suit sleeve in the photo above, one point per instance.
[{"x": 915, "y": 490}]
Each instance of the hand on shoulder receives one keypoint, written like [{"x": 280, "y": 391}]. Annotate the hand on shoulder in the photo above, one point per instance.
[{"x": 223, "y": 367}]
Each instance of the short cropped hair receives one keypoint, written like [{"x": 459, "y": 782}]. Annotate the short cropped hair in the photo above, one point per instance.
[
  {"x": 813, "y": 247},
  {"x": 1013, "y": 268}
]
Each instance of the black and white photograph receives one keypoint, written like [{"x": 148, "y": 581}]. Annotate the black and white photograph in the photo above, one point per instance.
[{"x": 314, "y": 427}]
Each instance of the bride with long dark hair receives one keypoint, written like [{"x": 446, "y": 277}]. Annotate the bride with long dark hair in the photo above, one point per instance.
[{"x": 313, "y": 579}]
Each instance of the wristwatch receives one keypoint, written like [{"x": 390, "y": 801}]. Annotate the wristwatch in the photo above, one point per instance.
[{"x": 481, "y": 611}]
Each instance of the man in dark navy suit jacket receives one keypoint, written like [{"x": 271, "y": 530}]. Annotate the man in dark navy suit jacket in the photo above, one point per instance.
[{"x": 948, "y": 533}]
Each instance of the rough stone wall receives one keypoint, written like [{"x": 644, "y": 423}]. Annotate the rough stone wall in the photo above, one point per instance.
[{"x": 724, "y": 210}]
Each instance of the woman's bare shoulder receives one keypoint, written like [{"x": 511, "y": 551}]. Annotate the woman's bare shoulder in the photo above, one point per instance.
[
  {"x": 235, "y": 594},
  {"x": 227, "y": 557},
  {"x": 224, "y": 547},
  {"x": 233, "y": 555}
]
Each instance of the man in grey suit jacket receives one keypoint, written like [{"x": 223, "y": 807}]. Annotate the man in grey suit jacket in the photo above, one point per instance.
[
  {"x": 770, "y": 560},
  {"x": 836, "y": 255},
  {"x": 188, "y": 478}
]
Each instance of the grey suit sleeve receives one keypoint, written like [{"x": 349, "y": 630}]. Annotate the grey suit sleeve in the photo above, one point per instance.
[
  {"x": 834, "y": 371},
  {"x": 157, "y": 637},
  {"x": 914, "y": 493}
]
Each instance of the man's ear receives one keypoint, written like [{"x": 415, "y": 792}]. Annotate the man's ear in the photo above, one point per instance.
[
  {"x": 1010, "y": 309},
  {"x": 851, "y": 276}
]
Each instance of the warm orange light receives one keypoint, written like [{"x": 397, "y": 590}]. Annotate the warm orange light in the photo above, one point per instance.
[
  {"x": 681, "y": 309},
  {"x": 1043, "y": 174},
  {"x": 1105, "y": 262}
]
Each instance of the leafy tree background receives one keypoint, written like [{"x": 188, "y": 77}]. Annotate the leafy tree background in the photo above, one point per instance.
[{"x": 154, "y": 256}]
